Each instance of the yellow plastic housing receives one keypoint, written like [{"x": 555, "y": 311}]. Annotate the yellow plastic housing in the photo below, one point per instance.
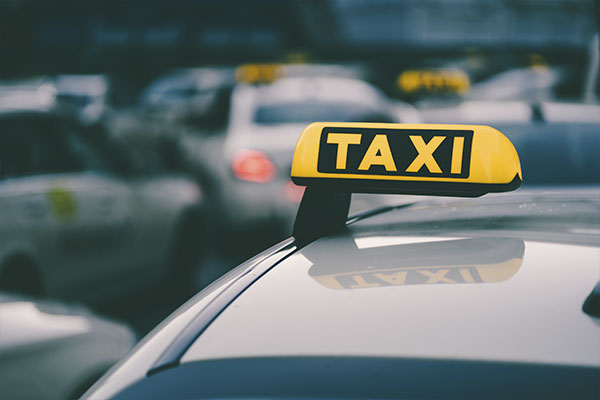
[{"x": 493, "y": 163}]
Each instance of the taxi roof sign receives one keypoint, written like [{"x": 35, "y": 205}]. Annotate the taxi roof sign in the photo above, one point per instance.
[
  {"x": 336, "y": 159},
  {"x": 258, "y": 73},
  {"x": 423, "y": 159},
  {"x": 433, "y": 81}
]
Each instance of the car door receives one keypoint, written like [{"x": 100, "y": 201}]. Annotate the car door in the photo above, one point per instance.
[
  {"x": 64, "y": 204},
  {"x": 104, "y": 243}
]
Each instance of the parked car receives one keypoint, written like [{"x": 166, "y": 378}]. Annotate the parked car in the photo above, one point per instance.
[
  {"x": 51, "y": 350},
  {"x": 80, "y": 220}
]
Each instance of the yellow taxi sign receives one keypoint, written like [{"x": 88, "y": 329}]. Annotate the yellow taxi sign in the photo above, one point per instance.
[
  {"x": 424, "y": 159},
  {"x": 258, "y": 73},
  {"x": 433, "y": 81}
]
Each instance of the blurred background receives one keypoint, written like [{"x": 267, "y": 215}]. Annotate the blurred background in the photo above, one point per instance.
[{"x": 146, "y": 147}]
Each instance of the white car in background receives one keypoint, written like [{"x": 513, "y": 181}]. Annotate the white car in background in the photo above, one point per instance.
[
  {"x": 263, "y": 128},
  {"x": 50, "y": 351},
  {"x": 79, "y": 222},
  {"x": 84, "y": 97}
]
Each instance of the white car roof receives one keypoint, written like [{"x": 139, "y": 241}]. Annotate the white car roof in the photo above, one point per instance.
[
  {"x": 246, "y": 98},
  {"x": 494, "y": 286},
  {"x": 499, "y": 280},
  {"x": 321, "y": 88},
  {"x": 26, "y": 98}
]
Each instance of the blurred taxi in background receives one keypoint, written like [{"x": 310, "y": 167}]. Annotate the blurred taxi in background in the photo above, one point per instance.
[
  {"x": 187, "y": 110},
  {"x": 79, "y": 218},
  {"x": 53, "y": 351},
  {"x": 267, "y": 112}
]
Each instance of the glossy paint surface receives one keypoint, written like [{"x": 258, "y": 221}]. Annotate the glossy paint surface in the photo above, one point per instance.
[{"x": 387, "y": 288}]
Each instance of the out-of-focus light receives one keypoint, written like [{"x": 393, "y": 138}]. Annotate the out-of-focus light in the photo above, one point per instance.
[
  {"x": 253, "y": 166},
  {"x": 294, "y": 192},
  {"x": 191, "y": 193}
]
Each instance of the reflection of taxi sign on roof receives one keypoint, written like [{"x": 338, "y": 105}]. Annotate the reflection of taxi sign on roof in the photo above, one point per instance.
[
  {"x": 335, "y": 159},
  {"x": 481, "y": 260},
  {"x": 433, "y": 81},
  {"x": 258, "y": 73}
]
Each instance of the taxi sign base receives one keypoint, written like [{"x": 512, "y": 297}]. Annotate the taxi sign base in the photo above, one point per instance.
[
  {"x": 321, "y": 212},
  {"x": 452, "y": 189},
  {"x": 326, "y": 202}
]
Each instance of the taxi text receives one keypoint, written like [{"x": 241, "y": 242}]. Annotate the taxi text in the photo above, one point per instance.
[{"x": 395, "y": 152}]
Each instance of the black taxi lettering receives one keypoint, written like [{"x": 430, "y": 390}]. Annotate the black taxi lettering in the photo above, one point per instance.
[
  {"x": 406, "y": 152},
  {"x": 425, "y": 154}
]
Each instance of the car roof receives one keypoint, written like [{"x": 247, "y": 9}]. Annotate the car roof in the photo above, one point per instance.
[
  {"x": 312, "y": 88},
  {"x": 26, "y": 97},
  {"x": 247, "y": 98},
  {"x": 474, "y": 280},
  {"x": 497, "y": 281}
]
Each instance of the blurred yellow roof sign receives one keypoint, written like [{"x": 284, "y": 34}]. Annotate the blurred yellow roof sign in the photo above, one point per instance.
[
  {"x": 433, "y": 81},
  {"x": 538, "y": 63},
  {"x": 424, "y": 159},
  {"x": 258, "y": 73}
]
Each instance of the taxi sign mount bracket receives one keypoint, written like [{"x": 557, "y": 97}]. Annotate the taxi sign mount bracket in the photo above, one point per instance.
[
  {"x": 326, "y": 202},
  {"x": 321, "y": 212}
]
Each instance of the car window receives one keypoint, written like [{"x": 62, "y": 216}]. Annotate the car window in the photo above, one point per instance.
[
  {"x": 34, "y": 145},
  {"x": 311, "y": 111},
  {"x": 31, "y": 145},
  {"x": 93, "y": 148}
]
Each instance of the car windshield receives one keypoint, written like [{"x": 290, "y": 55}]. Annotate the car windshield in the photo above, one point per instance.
[{"x": 310, "y": 111}]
